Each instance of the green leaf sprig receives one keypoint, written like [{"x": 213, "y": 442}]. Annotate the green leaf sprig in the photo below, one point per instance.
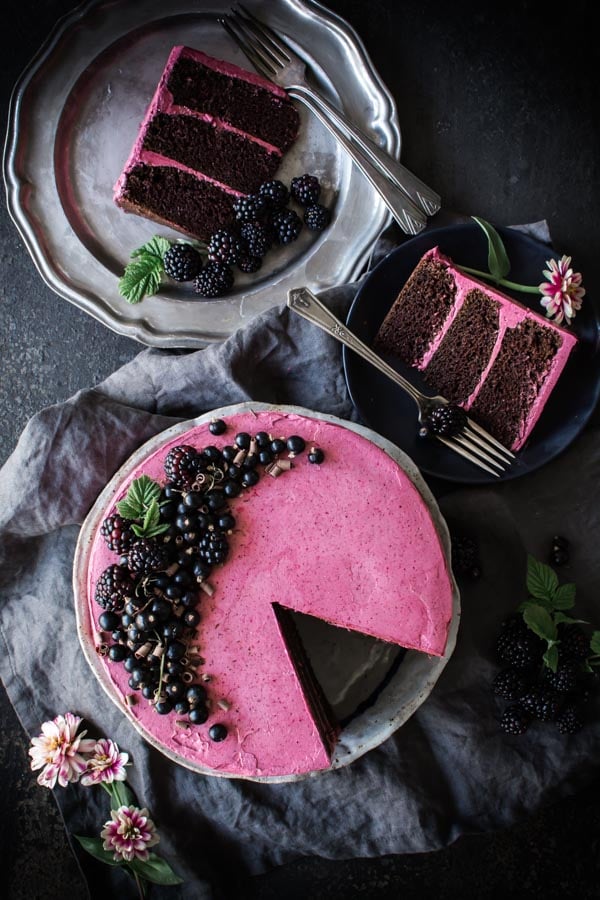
[
  {"x": 154, "y": 869},
  {"x": 140, "y": 506},
  {"x": 498, "y": 261},
  {"x": 544, "y": 611},
  {"x": 143, "y": 275}
]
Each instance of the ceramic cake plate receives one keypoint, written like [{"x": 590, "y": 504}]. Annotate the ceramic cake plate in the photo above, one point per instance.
[
  {"x": 74, "y": 117},
  {"x": 373, "y": 687}
]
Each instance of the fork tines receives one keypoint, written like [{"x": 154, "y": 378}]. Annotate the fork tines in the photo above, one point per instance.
[
  {"x": 476, "y": 445},
  {"x": 257, "y": 40}
]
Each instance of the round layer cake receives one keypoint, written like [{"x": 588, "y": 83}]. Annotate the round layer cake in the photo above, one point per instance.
[{"x": 328, "y": 525}]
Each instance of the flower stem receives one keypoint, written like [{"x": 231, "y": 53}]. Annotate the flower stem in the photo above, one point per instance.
[
  {"x": 526, "y": 288},
  {"x": 140, "y": 885}
]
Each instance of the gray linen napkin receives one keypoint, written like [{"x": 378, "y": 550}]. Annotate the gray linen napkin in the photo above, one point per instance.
[{"x": 447, "y": 771}]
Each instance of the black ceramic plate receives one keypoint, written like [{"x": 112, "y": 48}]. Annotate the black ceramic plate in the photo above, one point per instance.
[{"x": 384, "y": 406}]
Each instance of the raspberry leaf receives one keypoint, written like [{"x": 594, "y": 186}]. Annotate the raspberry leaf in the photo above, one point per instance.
[
  {"x": 551, "y": 657},
  {"x": 542, "y": 581},
  {"x": 568, "y": 620},
  {"x": 540, "y": 621},
  {"x": 142, "y": 276},
  {"x": 142, "y": 493},
  {"x": 564, "y": 596}
]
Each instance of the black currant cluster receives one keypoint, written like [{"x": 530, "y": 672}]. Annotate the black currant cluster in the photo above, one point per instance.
[
  {"x": 150, "y": 598},
  {"x": 261, "y": 221},
  {"x": 532, "y": 690}
]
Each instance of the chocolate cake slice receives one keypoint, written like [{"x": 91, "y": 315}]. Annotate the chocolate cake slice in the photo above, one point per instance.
[
  {"x": 476, "y": 346},
  {"x": 212, "y": 133}
]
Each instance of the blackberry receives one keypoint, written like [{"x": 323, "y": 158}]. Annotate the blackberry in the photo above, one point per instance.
[
  {"x": 446, "y": 421},
  {"x": 250, "y": 208},
  {"x": 568, "y": 720},
  {"x": 117, "y": 533},
  {"x": 305, "y": 189},
  {"x": 287, "y": 225},
  {"x": 225, "y": 247},
  {"x": 510, "y": 684},
  {"x": 114, "y": 585},
  {"x": 147, "y": 556},
  {"x": 214, "y": 280},
  {"x": 276, "y": 194},
  {"x": 564, "y": 680},
  {"x": 573, "y": 642},
  {"x": 181, "y": 465},
  {"x": 519, "y": 647},
  {"x": 316, "y": 217},
  {"x": 182, "y": 263},
  {"x": 249, "y": 264},
  {"x": 514, "y": 720},
  {"x": 465, "y": 557},
  {"x": 257, "y": 237},
  {"x": 540, "y": 703},
  {"x": 213, "y": 548}
]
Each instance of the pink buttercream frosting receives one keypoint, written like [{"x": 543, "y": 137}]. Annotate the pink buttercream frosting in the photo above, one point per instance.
[
  {"x": 350, "y": 541},
  {"x": 162, "y": 102},
  {"x": 511, "y": 313}
]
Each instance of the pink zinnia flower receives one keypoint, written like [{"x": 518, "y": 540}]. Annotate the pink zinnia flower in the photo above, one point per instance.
[
  {"x": 563, "y": 296},
  {"x": 107, "y": 764},
  {"x": 129, "y": 833},
  {"x": 58, "y": 751}
]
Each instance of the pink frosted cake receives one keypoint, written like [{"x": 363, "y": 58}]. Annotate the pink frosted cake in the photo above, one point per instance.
[
  {"x": 476, "y": 346},
  {"x": 322, "y": 522},
  {"x": 212, "y": 133}
]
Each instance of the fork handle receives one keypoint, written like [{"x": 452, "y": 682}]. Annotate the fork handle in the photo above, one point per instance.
[
  {"x": 415, "y": 189},
  {"x": 304, "y": 302},
  {"x": 410, "y": 218}
]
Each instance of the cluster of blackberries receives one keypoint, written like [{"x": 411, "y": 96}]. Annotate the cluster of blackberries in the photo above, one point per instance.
[
  {"x": 262, "y": 220},
  {"x": 150, "y": 598},
  {"x": 534, "y": 691},
  {"x": 559, "y": 551},
  {"x": 465, "y": 557}
]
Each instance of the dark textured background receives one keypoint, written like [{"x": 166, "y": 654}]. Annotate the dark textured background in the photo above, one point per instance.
[{"x": 498, "y": 110}]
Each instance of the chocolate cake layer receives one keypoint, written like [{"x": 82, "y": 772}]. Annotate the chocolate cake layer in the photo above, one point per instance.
[
  {"x": 226, "y": 156},
  {"x": 171, "y": 195},
  {"x": 513, "y": 382},
  {"x": 456, "y": 366},
  {"x": 418, "y": 312},
  {"x": 244, "y": 105}
]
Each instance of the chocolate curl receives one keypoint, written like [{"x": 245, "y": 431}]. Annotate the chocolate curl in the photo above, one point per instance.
[
  {"x": 172, "y": 569},
  {"x": 206, "y": 677},
  {"x": 158, "y": 651},
  {"x": 199, "y": 482},
  {"x": 224, "y": 705},
  {"x": 253, "y": 446},
  {"x": 181, "y": 723},
  {"x": 239, "y": 457},
  {"x": 187, "y": 677},
  {"x": 102, "y": 649},
  {"x": 130, "y": 700},
  {"x": 144, "y": 650},
  {"x": 277, "y": 468},
  {"x": 207, "y": 587}
]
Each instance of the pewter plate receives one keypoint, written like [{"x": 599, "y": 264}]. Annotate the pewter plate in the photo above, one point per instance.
[
  {"x": 75, "y": 114},
  {"x": 373, "y": 687}
]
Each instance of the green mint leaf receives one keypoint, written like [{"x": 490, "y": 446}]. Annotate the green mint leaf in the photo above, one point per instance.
[
  {"x": 542, "y": 581},
  {"x": 595, "y": 643},
  {"x": 155, "y": 869},
  {"x": 551, "y": 657},
  {"x": 564, "y": 596},
  {"x": 94, "y": 847},
  {"x": 498, "y": 261},
  {"x": 142, "y": 276},
  {"x": 540, "y": 621}
]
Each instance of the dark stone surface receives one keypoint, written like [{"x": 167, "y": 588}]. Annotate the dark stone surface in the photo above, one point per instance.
[{"x": 497, "y": 105}]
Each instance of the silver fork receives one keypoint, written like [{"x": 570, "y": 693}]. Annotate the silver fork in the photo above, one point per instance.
[
  {"x": 473, "y": 442},
  {"x": 409, "y": 216},
  {"x": 289, "y": 70}
]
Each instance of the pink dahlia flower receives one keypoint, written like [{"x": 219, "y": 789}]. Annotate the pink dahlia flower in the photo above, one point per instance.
[
  {"x": 129, "y": 833},
  {"x": 563, "y": 296},
  {"x": 107, "y": 764},
  {"x": 59, "y": 751}
]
